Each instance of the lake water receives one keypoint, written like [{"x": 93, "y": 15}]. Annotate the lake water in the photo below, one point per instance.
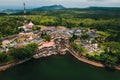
[{"x": 58, "y": 68}]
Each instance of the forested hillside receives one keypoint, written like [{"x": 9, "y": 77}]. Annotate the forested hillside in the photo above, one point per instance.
[{"x": 104, "y": 19}]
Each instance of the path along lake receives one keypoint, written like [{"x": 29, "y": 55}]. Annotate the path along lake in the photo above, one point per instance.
[{"x": 58, "y": 68}]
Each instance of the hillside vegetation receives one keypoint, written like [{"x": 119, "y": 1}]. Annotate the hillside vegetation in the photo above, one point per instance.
[{"x": 103, "y": 19}]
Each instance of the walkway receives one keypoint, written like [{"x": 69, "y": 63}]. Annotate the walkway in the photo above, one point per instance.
[{"x": 83, "y": 59}]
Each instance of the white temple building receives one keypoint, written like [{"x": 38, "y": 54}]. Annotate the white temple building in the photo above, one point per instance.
[{"x": 28, "y": 26}]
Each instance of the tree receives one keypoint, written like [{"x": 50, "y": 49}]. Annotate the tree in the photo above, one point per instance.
[
  {"x": 74, "y": 36},
  {"x": 46, "y": 37},
  {"x": 114, "y": 37},
  {"x": 71, "y": 39},
  {"x": 32, "y": 47},
  {"x": 112, "y": 47},
  {"x": 25, "y": 52},
  {"x": 84, "y": 36},
  {"x": 3, "y": 57},
  {"x": 20, "y": 53},
  {"x": 110, "y": 61},
  {"x": 100, "y": 38},
  {"x": 111, "y": 55},
  {"x": 77, "y": 47}
]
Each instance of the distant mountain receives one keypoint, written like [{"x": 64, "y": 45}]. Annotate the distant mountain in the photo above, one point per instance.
[
  {"x": 57, "y": 7},
  {"x": 104, "y": 8},
  {"x": 52, "y": 7},
  {"x": 9, "y": 11},
  {"x": 2, "y": 14}
]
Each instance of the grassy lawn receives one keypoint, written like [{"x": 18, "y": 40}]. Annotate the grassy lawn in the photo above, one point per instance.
[
  {"x": 96, "y": 53},
  {"x": 106, "y": 34}
]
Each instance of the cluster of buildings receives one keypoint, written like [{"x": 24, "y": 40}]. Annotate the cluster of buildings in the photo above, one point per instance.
[
  {"x": 90, "y": 43},
  {"x": 59, "y": 37},
  {"x": 55, "y": 46},
  {"x": 23, "y": 38},
  {"x": 46, "y": 51},
  {"x": 92, "y": 48}
]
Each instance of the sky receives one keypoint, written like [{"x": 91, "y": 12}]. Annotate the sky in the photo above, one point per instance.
[{"x": 67, "y": 3}]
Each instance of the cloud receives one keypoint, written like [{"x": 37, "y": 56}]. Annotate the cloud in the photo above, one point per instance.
[
  {"x": 95, "y": 0},
  {"x": 109, "y": 1},
  {"x": 66, "y": 3}
]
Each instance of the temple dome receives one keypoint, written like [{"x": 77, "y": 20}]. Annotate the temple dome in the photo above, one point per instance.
[{"x": 30, "y": 25}]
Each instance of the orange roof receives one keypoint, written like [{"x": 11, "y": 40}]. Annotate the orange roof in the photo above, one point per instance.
[{"x": 47, "y": 44}]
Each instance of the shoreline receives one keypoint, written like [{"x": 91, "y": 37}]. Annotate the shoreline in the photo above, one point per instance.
[
  {"x": 82, "y": 59},
  {"x": 90, "y": 62},
  {"x": 85, "y": 60},
  {"x": 12, "y": 64}
]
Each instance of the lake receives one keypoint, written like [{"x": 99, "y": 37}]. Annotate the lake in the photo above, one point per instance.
[{"x": 58, "y": 68}]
